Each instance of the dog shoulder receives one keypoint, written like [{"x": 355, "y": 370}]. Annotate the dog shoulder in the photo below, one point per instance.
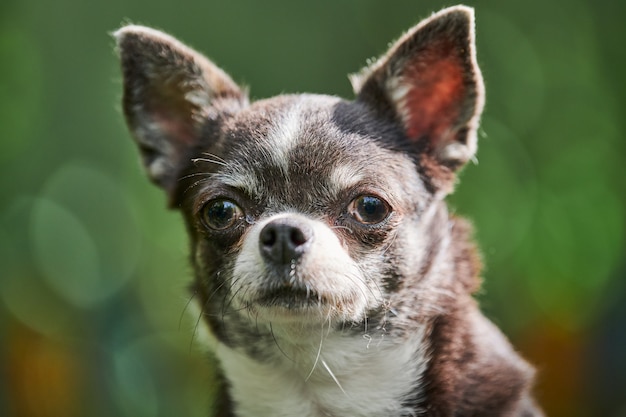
[{"x": 474, "y": 370}]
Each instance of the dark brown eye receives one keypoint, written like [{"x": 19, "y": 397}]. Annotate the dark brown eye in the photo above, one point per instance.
[
  {"x": 221, "y": 214},
  {"x": 368, "y": 209}
]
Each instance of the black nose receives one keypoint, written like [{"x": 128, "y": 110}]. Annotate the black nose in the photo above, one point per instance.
[{"x": 284, "y": 240}]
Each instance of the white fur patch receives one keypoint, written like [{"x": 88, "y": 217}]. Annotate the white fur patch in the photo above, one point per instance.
[
  {"x": 283, "y": 137},
  {"x": 344, "y": 177},
  {"x": 342, "y": 376},
  {"x": 240, "y": 179},
  {"x": 399, "y": 90}
]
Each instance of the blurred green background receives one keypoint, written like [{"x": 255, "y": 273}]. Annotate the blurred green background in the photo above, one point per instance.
[{"x": 93, "y": 267}]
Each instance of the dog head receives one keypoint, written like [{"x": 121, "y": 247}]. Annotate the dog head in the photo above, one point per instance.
[{"x": 304, "y": 209}]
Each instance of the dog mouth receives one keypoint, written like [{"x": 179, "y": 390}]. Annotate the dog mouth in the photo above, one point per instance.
[{"x": 291, "y": 298}]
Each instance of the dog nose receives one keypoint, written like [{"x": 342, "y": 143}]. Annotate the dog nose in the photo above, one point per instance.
[{"x": 284, "y": 240}]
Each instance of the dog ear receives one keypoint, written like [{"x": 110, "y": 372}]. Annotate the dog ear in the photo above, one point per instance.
[
  {"x": 430, "y": 82},
  {"x": 173, "y": 99}
]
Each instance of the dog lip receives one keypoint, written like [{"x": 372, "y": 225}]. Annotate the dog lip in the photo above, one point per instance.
[{"x": 290, "y": 297}]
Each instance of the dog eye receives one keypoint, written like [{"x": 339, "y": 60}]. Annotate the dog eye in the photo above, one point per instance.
[
  {"x": 221, "y": 214},
  {"x": 368, "y": 209}
]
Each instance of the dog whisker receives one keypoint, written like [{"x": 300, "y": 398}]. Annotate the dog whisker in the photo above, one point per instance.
[
  {"x": 214, "y": 156},
  {"x": 278, "y": 345},
  {"x": 196, "y": 174},
  {"x": 225, "y": 306},
  {"x": 194, "y": 185},
  {"x": 319, "y": 352},
  {"x": 332, "y": 375},
  {"x": 187, "y": 304},
  {"x": 342, "y": 227},
  {"x": 391, "y": 242},
  {"x": 195, "y": 327},
  {"x": 210, "y": 161}
]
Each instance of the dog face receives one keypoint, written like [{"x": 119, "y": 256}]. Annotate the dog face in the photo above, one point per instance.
[
  {"x": 303, "y": 210},
  {"x": 307, "y": 209}
]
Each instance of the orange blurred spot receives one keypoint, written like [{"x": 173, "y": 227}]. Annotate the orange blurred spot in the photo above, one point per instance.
[
  {"x": 558, "y": 354},
  {"x": 43, "y": 378}
]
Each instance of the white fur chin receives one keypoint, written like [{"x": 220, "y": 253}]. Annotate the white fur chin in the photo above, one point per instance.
[{"x": 341, "y": 377}]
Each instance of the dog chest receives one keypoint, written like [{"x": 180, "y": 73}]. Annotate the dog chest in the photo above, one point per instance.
[{"x": 358, "y": 376}]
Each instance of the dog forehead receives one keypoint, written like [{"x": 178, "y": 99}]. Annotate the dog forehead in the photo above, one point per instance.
[
  {"x": 274, "y": 130},
  {"x": 288, "y": 144}
]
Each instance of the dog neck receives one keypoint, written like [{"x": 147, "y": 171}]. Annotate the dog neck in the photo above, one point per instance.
[{"x": 334, "y": 373}]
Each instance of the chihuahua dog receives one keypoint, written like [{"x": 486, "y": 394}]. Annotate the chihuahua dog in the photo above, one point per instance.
[{"x": 330, "y": 277}]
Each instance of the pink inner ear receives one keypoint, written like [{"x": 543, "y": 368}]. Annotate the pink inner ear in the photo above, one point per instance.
[
  {"x": 172, "y": 113},
  {"x": 433, "y": 102},
  {"x": 178, "y": 128}
]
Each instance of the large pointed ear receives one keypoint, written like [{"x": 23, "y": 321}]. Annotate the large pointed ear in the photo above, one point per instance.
[
  {"x": 173, "y": 99},
  {"x": 429, "y": 82}
]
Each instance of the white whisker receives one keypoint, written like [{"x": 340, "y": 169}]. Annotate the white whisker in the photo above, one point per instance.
[
  {"x": 211, "y": 161},
  {"x": 317, "y": 357},
  {"x": 332, "y": 375}
]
